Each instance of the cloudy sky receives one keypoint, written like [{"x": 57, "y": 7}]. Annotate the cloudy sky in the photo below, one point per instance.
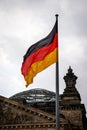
[{"x": 24, "y": 22}]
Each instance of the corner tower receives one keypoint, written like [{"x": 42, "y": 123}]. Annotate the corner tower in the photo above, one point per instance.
[
  {"x": 71, "y": 106},
  {"x": 70, "y": 94}
]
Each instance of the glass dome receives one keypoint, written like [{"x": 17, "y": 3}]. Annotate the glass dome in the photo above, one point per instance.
[{"x": 35, "y": 95}]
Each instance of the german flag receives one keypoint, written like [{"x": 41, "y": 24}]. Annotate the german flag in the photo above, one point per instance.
[{"x": 40, "y": 55}]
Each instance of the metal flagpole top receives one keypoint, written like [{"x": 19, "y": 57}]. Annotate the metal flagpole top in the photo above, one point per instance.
[{"x": 56, "y": 16}]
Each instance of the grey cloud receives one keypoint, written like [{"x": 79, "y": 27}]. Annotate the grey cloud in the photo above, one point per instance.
[{"x": 74, "y": 17}]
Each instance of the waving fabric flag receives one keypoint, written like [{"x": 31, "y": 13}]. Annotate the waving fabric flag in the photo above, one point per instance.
[{"x": 40, "y": 55}]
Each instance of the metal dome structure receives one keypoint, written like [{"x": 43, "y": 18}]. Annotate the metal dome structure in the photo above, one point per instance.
[{"x": 35, "y": 95}]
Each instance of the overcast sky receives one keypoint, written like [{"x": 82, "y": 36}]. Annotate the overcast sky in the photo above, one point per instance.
[{"x": 24, "y": 22}]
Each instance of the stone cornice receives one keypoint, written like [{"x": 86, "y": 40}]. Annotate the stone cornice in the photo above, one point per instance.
[{"x": 28, "y": 126}]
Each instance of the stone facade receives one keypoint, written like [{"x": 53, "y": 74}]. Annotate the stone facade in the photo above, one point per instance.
[
  {"x": 71, "y": 106},
  {"x": 14, "y": 115},
  {"x": 28, "y": 110}
]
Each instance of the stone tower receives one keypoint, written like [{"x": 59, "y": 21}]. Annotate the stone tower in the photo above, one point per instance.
[{"x": 71, "y": 106}]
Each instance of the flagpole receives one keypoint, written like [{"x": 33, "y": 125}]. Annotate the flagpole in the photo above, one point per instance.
[{"x": 57, "y": 86}]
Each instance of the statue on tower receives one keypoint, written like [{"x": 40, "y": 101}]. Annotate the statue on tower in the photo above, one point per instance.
[{"x": 70, "y": 78}]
